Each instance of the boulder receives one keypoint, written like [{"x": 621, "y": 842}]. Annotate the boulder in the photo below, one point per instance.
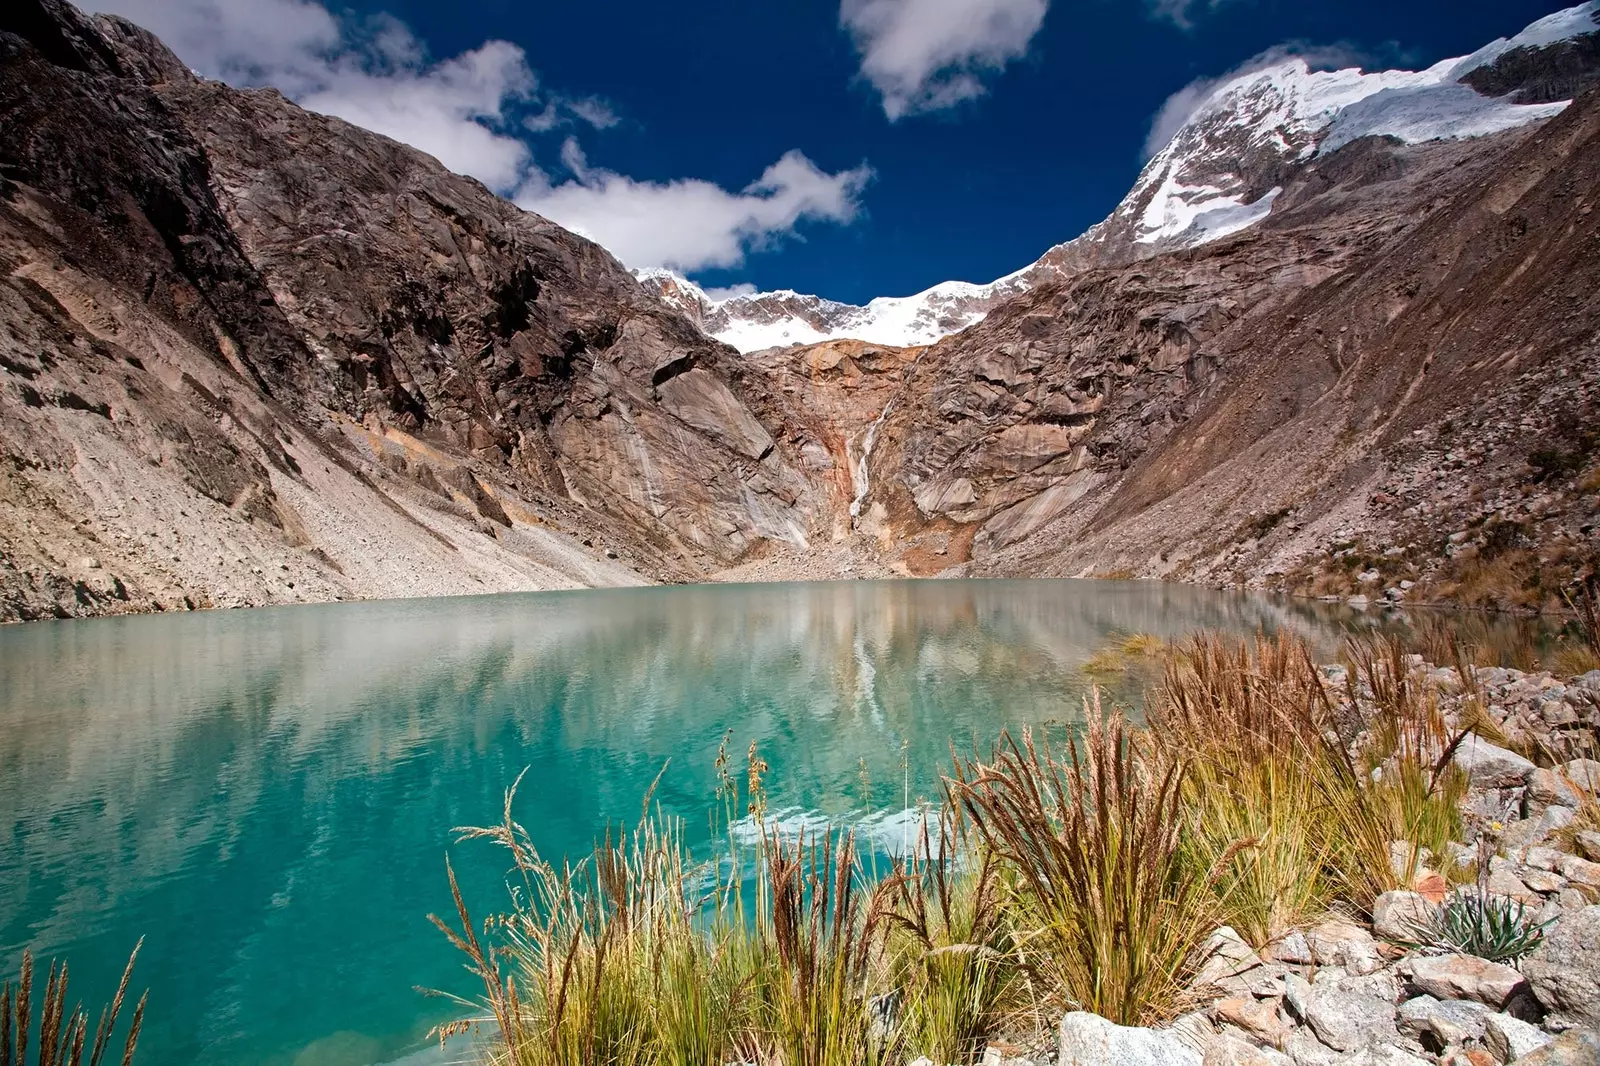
[
  {"x": 1581, "y": 871},
  {"x": 1344, "y": 1020},
  {"x": 1542, "y": 881},
  {"x": 1508, "y": 1038},
  {"x": 1547, "y": 787},
  {"x": 1585, "y": 774},
  {"x": 1565, "y": 970},
  {"x": 1339, "y": 942},
  {"x": 1397, "y": 915},
  {"x": 1383, "y": 1055},
  {"x": 1260, "y": 1018},
  {"x": 1589, "y": 845},
  {"x": 1449, "y": 1021},
  {"x": 1305, "y": 1049},
  {"x": 1578, "y": 1047},
  {"x": 1090, "y": 1040},
  {"x": 1489, "y": 765},
  {"x": 1466, "y": 977}
]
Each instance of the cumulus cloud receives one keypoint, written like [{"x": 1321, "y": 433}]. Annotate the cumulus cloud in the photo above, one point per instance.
[
  {"x": 717, "y": 295},
  {"x": 374, "y": 73},
  {"x": 1182, "y": 105},
  {"x": 924, "y": 55},
  {"x": 690, "y": 224},
  {"x": 472, "y": 111}
]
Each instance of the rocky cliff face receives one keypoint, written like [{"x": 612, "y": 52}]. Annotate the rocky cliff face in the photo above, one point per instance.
[
  {"x": 255, "y": 355},
  {"x": 1388, "y": 381},
  {"x": 258, "y": 355}
]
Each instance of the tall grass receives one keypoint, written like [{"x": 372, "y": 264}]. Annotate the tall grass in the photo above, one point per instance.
[
  {"x": 950, "y": 947},
  {"x": 1110, "y": 910},
  {"x": 1085, "y": 876},
  {"x": 62, "y": 1034}
]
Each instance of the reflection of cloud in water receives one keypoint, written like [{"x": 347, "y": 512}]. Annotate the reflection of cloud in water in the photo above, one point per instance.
[
  {"x": 895, "y": 833},
  {"x": 270, "y": 792}
]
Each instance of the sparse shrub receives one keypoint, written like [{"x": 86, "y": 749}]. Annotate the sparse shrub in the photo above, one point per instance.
[
  {"x": 1496, "y": 928},
  {"x": 1246, "y": 721},
  {"x": 950, "y": 949}
]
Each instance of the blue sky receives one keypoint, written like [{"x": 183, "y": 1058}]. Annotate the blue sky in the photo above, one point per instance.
[{"x": 868, "y": 149}]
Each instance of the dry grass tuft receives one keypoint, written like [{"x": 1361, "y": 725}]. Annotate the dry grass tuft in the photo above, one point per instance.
[
  {"x": 1111, "y": 912},
  {"x": 62, "y": 1035}
]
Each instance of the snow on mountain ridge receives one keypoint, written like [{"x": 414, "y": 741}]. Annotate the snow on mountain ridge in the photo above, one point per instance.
[{"x": 1218, "y": 175}]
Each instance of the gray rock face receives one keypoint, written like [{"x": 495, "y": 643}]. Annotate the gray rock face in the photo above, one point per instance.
[
  {"x": 1577, "y": 1047},
  {"x": 1490, "y": 766},
  {"x": 1231, "y": 1051},
  {"x": 1090, "y": 1040},
  {"x": 1509, "y": 1039},
  {"x": 1344, "y": 1020},
  {"x": 1397, "y": 915},
  {"x": 1450, "y": 1021},
  {"x": 1565, "y": 970}
]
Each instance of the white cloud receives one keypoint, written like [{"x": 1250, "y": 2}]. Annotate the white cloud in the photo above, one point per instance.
[
  {"x": 375, "y": 74},
  {"x": 924, "y": 55},
  {"x": 690, "y": 224},
  {"x": 1182, "y": 105},
  {"x": 472, "y": 110},
  {"x": 717, "y": 295}
]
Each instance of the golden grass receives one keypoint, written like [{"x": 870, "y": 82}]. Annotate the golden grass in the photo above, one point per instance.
[
  {"x": 62, "y": 1035},
  {"x": 1106, "y": 900},
  {"x": 1086, "y": 877}
]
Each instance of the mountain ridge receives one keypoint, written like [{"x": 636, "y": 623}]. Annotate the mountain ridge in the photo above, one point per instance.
[
  {"x": 256, "y": 355},
  {"x": 1217, "y": 175}
]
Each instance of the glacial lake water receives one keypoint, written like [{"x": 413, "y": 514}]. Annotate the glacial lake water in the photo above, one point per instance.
[{"x": 266, "y": 796}]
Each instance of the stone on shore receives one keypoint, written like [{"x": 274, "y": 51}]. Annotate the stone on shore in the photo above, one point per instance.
[
  {"x": 1491, "y": 766},
  {"x": 1509, "y": 1039},
  {"x": 1396, "y": 916},
  {"x": 1090, "y": 1040},
  {"x": 1448, "y": 1021},
  {"x": 1577, "y": 1047},
  {"x": 1344, "y": 1019}
]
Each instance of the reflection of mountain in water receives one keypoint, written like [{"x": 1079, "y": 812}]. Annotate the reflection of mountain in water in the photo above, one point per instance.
[{"x": 269, "y": 792}]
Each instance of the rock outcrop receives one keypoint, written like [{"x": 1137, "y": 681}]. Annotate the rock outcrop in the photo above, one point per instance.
[{"x": 260, "y": 355}]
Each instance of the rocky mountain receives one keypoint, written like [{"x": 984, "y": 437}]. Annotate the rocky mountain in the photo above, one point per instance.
[
  {"x": 256, "y": 355},
  {"x": 1219, "y": 174},
  {"x": 252, "y": 354}
]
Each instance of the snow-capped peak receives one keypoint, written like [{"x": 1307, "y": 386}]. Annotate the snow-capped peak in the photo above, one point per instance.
[{"x": 1219, "y": 174}]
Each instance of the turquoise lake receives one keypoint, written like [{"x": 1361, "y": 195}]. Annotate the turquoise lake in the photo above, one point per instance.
[{"x": 267, "y": 796}]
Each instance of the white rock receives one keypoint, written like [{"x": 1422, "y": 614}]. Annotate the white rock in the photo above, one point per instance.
[
  {"x": 1491, "y": 766},
  {"x": 1581, "y": 871},
  {"x": 1508, "y": 1038},
  {"x": 1343, "y": 1020},
  {"x": 1565, "y": 969},
  {"x": 1451, "y": 1021},
  {"x": 1231, "y": 1051},
  {"x": 1585, "y": 774},
  {"x": 1547, "y": 786},
  {"x": 1383, "y": 1055},
  {"x": 1090, "y": 1040}
]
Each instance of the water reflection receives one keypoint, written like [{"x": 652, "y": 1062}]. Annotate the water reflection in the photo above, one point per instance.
[{"x": 266, "y": 795}]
